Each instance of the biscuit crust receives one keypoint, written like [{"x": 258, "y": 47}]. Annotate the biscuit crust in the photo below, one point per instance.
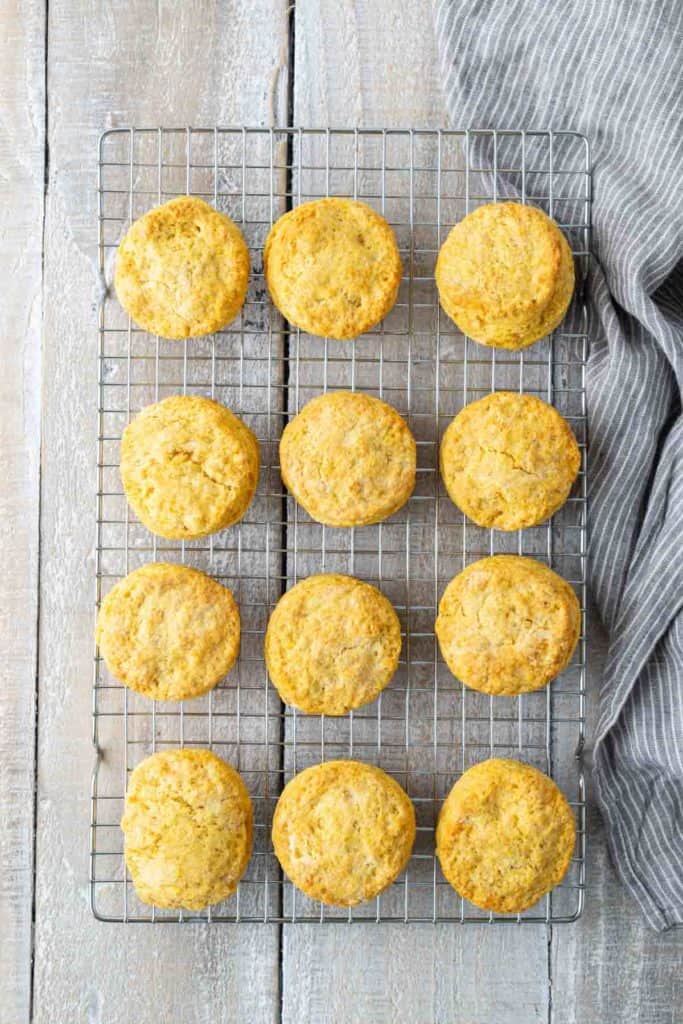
[
  {"x": 505, "y": 836},
  {"x": 343, "y": 831},
  {"x": 348, "y": 459},
  {"x": 182, "y": 269},
  {"x": 168, "y": 631},
  {"x": 332, "y": 267},
  {"x": 188, "y": 826},
  {"x": 189, "y": 467},
  {"x": 332, "y": 644},
  {"x": 505, "y": 275},
  {"x": 508, "y": 625},
  {"x": 509, "y": 461}
]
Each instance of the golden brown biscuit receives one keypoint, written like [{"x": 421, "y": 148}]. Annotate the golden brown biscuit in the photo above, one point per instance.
[
  {"x": 505, "y": 275},
  {"x": 168, "y": 631},
  {"x": 189, "y": 467},
  {"x": 332, "y": 644},
  {"x": 508, "y": 625},
  {"x": 332, "y": 267},
  {"x": 505, "y": 836},
  {"x": 188, "y": 825},
  {"x": 349, "y": 459},
  {"x": 343, "y": 831},
  {"x": 509, "y": 460},
  {"x": 182, "y": 269}
]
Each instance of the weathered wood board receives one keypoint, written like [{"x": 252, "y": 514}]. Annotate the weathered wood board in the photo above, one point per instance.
[
  {"x": 22, "y": 150},
  {"x": 353, "y": 66},
  {"x": 146, "y": 64}
]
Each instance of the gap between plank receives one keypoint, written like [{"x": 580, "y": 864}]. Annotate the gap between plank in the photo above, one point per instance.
[
  {"x": 289, "y": 192},
  {"x": 36, "y": 690}
]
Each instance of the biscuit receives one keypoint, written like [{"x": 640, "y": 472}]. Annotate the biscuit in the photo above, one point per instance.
[
  {"x": 509, "y": 460},
  {"x": 508, "y": 625},
  {"x": 189, "y": 467},
  {"x": 505, "y": 275},
  {"x": 182, "y": 269},
  {"x": 332, "y": 644},
  {"x": 348, "y": 459},
  {"x": 343, "y": 831},
  {"x": 168, "y": 631},
  {"x": 505, "y": 836},
  {"x": 332, "y": 267},
  {"x": 188, "y": 825}
]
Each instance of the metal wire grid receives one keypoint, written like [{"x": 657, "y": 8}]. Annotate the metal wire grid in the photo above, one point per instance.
[{"x": 425, "y": 729}]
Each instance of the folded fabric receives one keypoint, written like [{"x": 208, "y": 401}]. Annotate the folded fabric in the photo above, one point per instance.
[{"x": 613, "y": 70}]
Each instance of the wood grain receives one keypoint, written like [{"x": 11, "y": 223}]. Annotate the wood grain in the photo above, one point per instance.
[
  {"x": 109, "y": 64},
  {"x": 416, "y": 974},
  {"x": 353, "y": 66},
  {"x": 609, "y": 966},
  {"x": 22, "y": 137}
]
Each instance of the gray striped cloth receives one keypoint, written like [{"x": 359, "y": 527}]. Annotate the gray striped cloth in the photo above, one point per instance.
[{"x": 612, "y": 69}]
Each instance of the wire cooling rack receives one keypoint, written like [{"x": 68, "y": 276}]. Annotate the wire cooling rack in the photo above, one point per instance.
[{"x": 425, "y": 729}]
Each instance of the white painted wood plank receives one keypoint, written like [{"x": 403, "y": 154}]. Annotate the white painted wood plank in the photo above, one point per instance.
[
  {"x": 137, "y": 63},
  {"x": 412, "y": 974},
  {"x": 366, "y": 64},
  {"x": 609, "y": 966},
  {"x": 22, "y": 144},
  {"x": 375, "y": 65}
]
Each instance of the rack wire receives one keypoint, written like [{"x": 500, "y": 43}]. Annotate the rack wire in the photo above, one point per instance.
[{"x": 425, "y": 729}]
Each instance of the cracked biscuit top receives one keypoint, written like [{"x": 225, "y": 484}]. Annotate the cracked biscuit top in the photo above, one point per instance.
[
  {"x": 509, "y": 460},
  {"x": 343, "y": 831},
  {"x": 349, "y": 459},
  {"x": 332, "y": 644},
  {"x": 188, "y": 825},
  {"x": 189, "y": 467},
  {"x": 505, "y": 835},
  {"x": 507, "y": 625},
  {"x": 332, "y": 267},
  {"x": 182, "y": 269},
  {"x": 168, "y": 631},
  {"x": 505, "y": 275}
]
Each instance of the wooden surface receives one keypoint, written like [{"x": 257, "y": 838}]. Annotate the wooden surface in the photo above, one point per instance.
[
  {"x": 22, "y": 124},
  {"x": 212, "y": 62},
  {"x": 423, "y": 973},
  {"x": 112, "y": 64}
]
